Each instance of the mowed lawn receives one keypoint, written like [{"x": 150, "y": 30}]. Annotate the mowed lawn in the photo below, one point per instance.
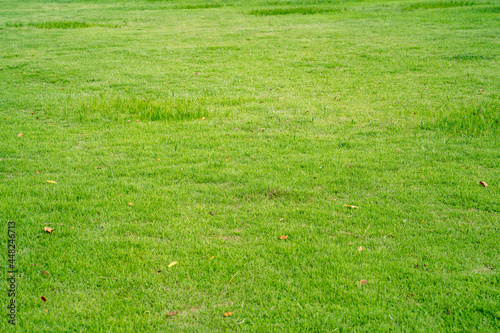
[{"x": 261, "y": 166}]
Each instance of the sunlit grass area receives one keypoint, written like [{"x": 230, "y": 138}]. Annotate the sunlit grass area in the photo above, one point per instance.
[{"x": 261, "y": 166}]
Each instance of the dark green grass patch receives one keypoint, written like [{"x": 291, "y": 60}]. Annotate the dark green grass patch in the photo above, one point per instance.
[
  {"x": 474, "y": 119},
  {"x": 488, "y": 9},
  {"x": 63, "y": 25},
  {"x": 295, "y": 10},
  {"x": 142, "y": 108},
  {"x": 200, "y": 6},
  {"x": 468, "y": 56},
  {"x": 60, "y": 25},
  {"x": 434, "y": 5}
]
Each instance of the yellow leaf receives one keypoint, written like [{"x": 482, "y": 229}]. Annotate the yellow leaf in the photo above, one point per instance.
[
  {"x": 51, "y": 181},
  {"x": 48, "y": 229},
  {"x": 173, "y": 263},
  {"x": 227, "y": 313},
  {"x": 351, "y": 206},
  {"x": 212, "y": 257}
]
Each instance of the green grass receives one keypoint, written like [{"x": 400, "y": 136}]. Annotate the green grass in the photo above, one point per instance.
[
  {"x": 436, "y": 4},
  {"x": 293, "y": 10},
  {"x": 226, "y": 131}
]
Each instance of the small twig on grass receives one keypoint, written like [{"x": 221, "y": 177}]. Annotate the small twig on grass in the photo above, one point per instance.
[
  {"x": 233, "y": 277},
  {"x": 366, "y": 230},
  {"x": 279, "y": 326},
  {"x": 388, "y": 235},
  {"x": 348, "y": 233}
]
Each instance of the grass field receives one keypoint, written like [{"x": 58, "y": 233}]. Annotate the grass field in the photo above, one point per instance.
[{"x": 200, "y": 132}]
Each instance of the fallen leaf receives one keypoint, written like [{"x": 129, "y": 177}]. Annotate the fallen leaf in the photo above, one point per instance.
[
  {"x": 130, "y": 204},
  {"x": 51, "y": 181},
  {"x": 283, "y": 237},
  {"x": 45, "y": 273},
  {"x": 170, "y": 314},
  {"x": 203, "y": 118},
  {"x": 45, "y": 310},
  {"x": 43, "y": 298},
  {"x": 158, "y": 272},
  {"x": 48, "y": 229},
  {"x": 227, "y": 313},
  {"x": 281, "y": 219},
  {"x": 196, "y": 73},
  {"x": 360, "y": 248},
  {"x": 212, "y": 257},
  {"x": 351, "y": 206},
  {"x": 37, "y": 171},
  {"x": 20, "y": 135},
  {"x": 483, "y": 183},
  {"x": 363, "y": 282},
  {"x": 173, "y": 263}
]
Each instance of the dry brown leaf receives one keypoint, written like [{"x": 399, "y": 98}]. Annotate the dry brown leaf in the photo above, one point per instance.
[
  {"x": 130, "y": 204},
  {"x": 173, "y": 263},
  {"x": 51, "y": 182},
  {"x": 48, "y": 229},
  {"x": 283, "y": 237},
  {"x": 20, "y": 135},
  {"x": 363, "y": 282},
  {"x": 351, "y": 206},
  {"x": 43, "y": 298},
  {"x": 170, "y": 314},
  {"x": 483, "y": 183},
  {"x": 45, "y": 273},
  {"x": 227, "y": 313},
  {"x": 37, "y": 171},
  {"x": 360, "y": 248}
]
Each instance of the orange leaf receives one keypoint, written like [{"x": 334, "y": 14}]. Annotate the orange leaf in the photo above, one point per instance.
[
  {"x": 48, "y": 229},
  {"x": 227, "y": 313},
  {"x": 363, "y": 282},
  {"x": 20, "y": 135},
  {"x": 170, "y": 314},
  {"x": 130, "y": 204},
  {"x": 483, "y": 183},
  {"x": 283, "y": 237}
]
